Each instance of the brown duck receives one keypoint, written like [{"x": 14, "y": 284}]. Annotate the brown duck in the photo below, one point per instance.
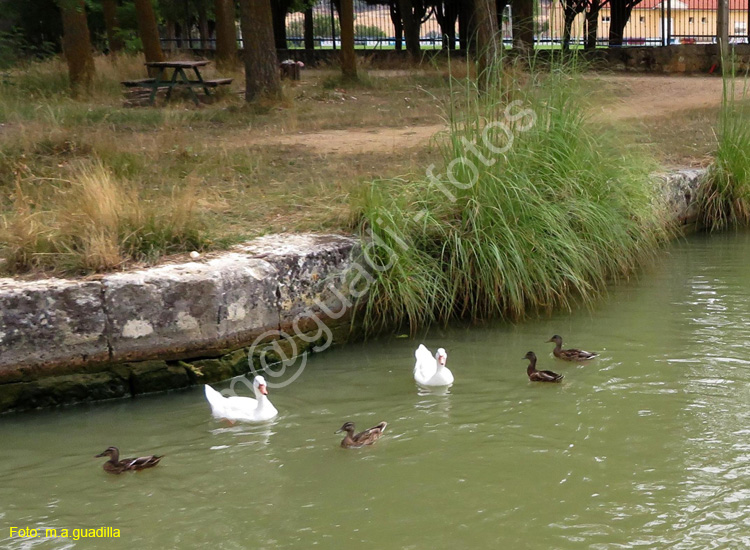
[
  {"x": 367, "y": 437},
  {"x": 540, "y": 375},
  {"x": 569, "y": 354},
  {"x": 116, "y": 466}
]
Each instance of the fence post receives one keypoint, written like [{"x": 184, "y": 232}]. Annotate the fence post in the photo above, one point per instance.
[
  {"x": 669, "y": 22},
  {"x": 662, "y": 30}
]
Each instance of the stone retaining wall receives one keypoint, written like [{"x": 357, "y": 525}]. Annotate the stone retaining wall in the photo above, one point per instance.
[
  {"x": 125, "y": 333},
  {"x": 171, "y": 326}
]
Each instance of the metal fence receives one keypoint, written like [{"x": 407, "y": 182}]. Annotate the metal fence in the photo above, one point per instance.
[
  {"x": 374, "y": 27},
  {"x": 652, "y": 23}
]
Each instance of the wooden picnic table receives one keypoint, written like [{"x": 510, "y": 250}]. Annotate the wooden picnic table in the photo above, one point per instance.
[{"x": 179, "y": 79}]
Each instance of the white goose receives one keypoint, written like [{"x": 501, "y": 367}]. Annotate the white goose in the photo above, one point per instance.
[
  {"x": 431, "y": 371},
  {"x": 242, "y": 408}
]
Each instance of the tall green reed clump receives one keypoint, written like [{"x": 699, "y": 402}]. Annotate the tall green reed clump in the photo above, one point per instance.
[
  {"x": 534, "y": 207},
  {"x": 724, "y": 197}
]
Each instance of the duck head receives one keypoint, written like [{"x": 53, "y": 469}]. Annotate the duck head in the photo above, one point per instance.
[
  {"x": 112, "y": 452},
  {"x": 556, "y": 339},
  {"x": 530, "y": 355},
  {"x": 259, "y": 383},
  {"x": 441, "y": 357},
  {"x": 347, "y": 427}
]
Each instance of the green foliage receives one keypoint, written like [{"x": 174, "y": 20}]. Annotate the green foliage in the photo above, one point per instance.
[
  {"x": 321, "y": 27},
  {"x": 368, "y": 31},
  {"x": 552, "y": 217},
  {"x": 724, "y": 197},
  {"x": 15, "y": 48},
  {"x": 38, "y": 22}
]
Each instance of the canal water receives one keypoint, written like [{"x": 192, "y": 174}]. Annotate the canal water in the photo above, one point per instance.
[{"x": 647, "y": 446}]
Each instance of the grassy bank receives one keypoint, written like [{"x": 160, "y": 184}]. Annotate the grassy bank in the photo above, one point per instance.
[
  {"x": 534, "y": 206},
  {"x": 251, "y": 170},
  {"x": 724, "y": 198},
  {"x": 229, "y": 158}
]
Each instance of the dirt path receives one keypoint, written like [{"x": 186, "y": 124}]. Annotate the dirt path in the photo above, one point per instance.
[
  {"x": 655, "y": 96},
  {"x": 359, "y": 140},
  {"x": 632, "y": 97}
]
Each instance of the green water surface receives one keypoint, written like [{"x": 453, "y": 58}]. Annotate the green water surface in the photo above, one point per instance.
[{"x": 647, "y": 446}]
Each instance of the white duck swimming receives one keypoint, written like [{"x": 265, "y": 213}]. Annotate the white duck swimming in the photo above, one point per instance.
[
  {"x": 242, "y": 408},
  {"x": 431, "y": 371}
]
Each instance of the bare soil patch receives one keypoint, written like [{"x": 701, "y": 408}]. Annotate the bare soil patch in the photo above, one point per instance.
[{"x": 664, "y": 101}]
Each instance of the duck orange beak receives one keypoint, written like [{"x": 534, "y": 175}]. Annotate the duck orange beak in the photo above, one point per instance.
[{"x": 262, "y": 389}]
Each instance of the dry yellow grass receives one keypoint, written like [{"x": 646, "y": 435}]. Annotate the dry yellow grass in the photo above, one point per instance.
[
  {"x": 97, "y": 222},
  {"x": 240, "y": 170},
  {"x": 218, "y": 164}
]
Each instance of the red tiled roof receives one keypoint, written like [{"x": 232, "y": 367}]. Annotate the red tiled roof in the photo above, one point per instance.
[{"x": 706, "y": 5}]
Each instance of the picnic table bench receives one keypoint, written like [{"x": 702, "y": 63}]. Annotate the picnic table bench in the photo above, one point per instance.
[{"x": 179, "y": 79}]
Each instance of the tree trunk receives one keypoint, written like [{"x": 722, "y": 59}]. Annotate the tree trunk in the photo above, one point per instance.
[
  {"x": 203, "y": 26},
  {"x": 447, "y": 14},
  {"x": 171, "y": 35},
  {"x": 567, "y": 31},
  {"x": 109, "y": 8},
  {"x": 411, "y": 27},
  {"x": 178, "y": 34},
  {"x": 226, "y": 34},
  {"x": 620, "y": 11},
  {"x": 148, "y": 31},
  {"x": 592, "y": 27},
  {"x": 398, "y": 25},
  {"x": 523, "y": 24},
  {"x": 77, "y": 45},
  {"x": 619, "y": 17},
  {"x": 261, "y": 64},
  {"x": 279, "y": 9},
  {"x": 309, "y": 29},
  {"x": 348, "y": 60},
  {"x": 467, "y": 30},
  {"x": 722, "y": 31},
  {"x": 488, "y": 49},
  {"x": 570, "y": 12}
]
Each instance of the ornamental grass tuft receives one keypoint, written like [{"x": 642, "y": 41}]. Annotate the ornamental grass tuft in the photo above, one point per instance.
[{"x": 534, "y": 207}]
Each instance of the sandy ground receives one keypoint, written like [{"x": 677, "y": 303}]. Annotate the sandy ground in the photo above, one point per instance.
[
  {"x": 633, "y": 97},
  {"x": 641, "y": 96},
  {"x": 360, "y": 140}
]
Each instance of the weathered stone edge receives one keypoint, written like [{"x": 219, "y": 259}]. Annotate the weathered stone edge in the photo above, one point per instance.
[
  {"x": 126, "y": 333},
  {"x": 146, "y": 330}
]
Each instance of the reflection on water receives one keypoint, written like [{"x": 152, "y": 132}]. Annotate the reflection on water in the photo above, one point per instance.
[{"x": 646, "y": 446}]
